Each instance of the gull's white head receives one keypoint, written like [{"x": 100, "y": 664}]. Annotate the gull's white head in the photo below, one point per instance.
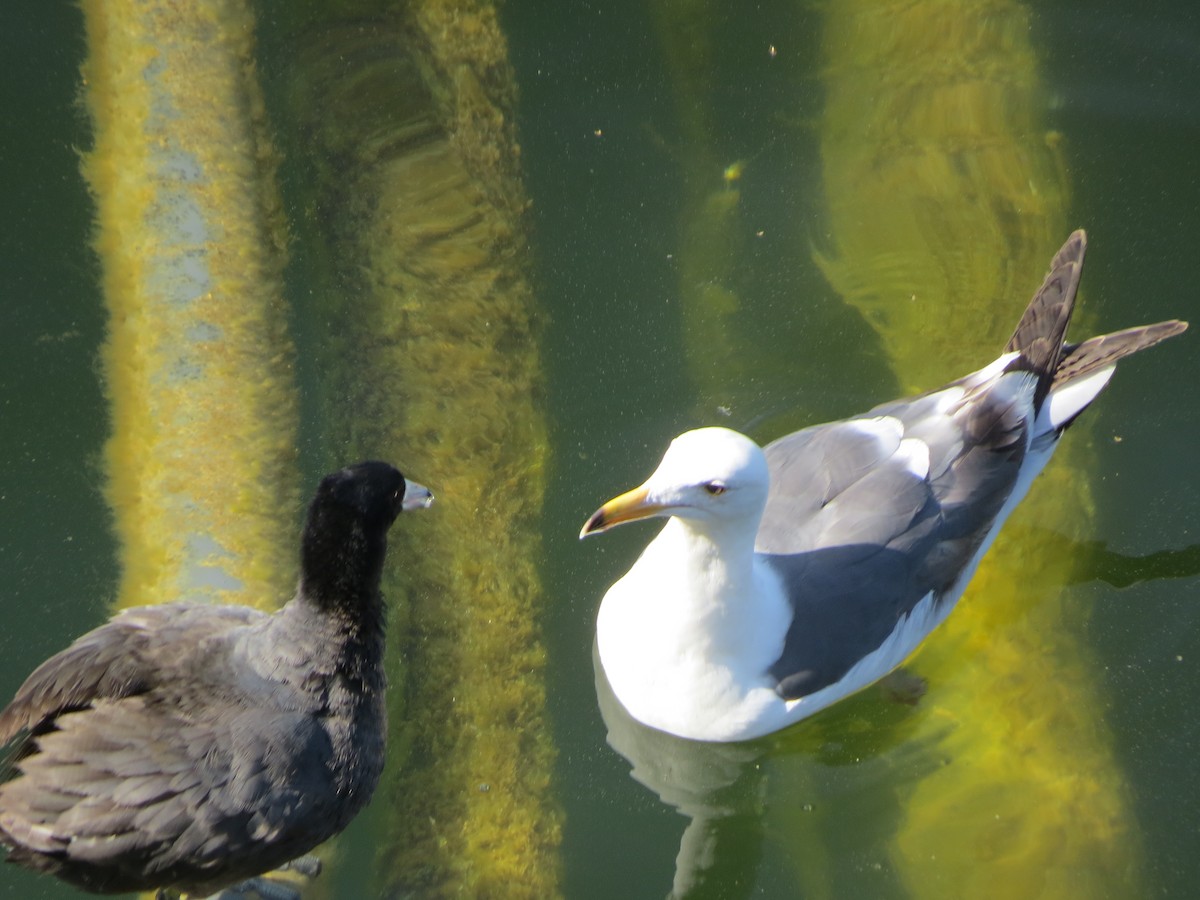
[{"x": 710, "y": 476}]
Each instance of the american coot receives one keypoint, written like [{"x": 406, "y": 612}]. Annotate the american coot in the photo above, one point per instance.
[
  {"x": 787, "y": 579},
  {"x": 189, "y": 745}
]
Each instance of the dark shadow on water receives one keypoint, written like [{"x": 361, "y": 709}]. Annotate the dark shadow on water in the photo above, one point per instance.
[{"x": 1095, "y": 561}]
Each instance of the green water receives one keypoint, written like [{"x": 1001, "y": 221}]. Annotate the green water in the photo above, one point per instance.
[{"x": 606, "y": 224}]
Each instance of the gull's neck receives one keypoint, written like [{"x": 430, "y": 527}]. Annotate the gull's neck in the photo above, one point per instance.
[
  {"x": 727, "y": 545},
  {"x": 716, "y": 580}
]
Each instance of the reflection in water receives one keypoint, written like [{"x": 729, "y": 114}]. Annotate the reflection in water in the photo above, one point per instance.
[
  {"x": 816, "y": 793},
  {"x": 717, "y": 787}
]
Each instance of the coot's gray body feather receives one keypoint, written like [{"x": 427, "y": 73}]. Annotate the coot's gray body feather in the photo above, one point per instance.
[{"x": 191, "y": 745}]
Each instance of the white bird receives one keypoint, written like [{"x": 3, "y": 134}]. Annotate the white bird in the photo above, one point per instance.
[{"x": 788, "y": 578}]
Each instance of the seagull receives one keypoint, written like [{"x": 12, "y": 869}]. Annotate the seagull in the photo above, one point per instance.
[
  {"x": 791, "y": 576},
  {"x": 191, "y": 746}
]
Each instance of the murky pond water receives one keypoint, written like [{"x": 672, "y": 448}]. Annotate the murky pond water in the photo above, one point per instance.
[{"x": 757, "y": 218}]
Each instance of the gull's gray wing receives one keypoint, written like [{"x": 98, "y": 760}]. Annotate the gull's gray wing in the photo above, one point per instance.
[{"x": 866, "y": 517}]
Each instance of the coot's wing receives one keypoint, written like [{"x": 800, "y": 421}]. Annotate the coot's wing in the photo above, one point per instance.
[
  {"x": 111, "y": 661},
  {"x": 131, "y": 776},
  {"x": 131, "y": 794}
]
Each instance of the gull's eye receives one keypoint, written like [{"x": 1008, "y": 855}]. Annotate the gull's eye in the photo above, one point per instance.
[{"x": 714, "y": 488}]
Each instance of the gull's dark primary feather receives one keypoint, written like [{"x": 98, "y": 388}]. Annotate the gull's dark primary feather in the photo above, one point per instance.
[
  {"x": 1039, "y": 336},
  {"x": 190, "y": 745},
  {"x": 1095, "y": 353}
]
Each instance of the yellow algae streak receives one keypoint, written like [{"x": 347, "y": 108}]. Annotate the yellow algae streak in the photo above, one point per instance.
[
  {"x": 946, "y": 201},
  {"x": 945, "y": 196},
  {"x": 430, "y": 328},
  {"x": 198, "y": 363},
  {"x": 1029, "y": 802},
  {"x": 470, "y": 804}
]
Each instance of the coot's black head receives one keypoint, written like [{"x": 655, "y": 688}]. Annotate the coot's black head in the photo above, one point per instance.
[
  {"x": 345, "y": 537},
  {"x": 374, "y": 492}
]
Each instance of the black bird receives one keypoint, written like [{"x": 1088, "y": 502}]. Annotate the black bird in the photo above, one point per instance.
[{"x": 189, "y": 745}]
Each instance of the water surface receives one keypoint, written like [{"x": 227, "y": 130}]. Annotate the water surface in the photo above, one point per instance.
[{"x": 604, "y": 150}]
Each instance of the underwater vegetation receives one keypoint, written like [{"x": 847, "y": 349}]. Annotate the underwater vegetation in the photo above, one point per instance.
[
  {"x": 425, "y": 334},
  {"x": 190, "y": 237}
]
